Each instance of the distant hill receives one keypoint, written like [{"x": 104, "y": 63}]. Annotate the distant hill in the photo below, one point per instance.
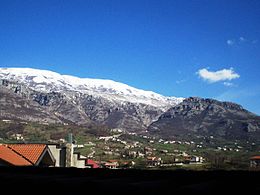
[{"x": 197, "y": 116}]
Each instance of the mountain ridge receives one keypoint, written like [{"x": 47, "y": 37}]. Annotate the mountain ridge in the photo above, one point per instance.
[
  {"x": 82, "y": 101},
  {"x": 47, "y": 81},
  {"x": 197, "y": 116}
]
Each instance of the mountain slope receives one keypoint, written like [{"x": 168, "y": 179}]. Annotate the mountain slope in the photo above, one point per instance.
[
  {"x": 13, "y": 106},
  {"x": 198, "y": 116},
  {"x": 48, "y": 81},
  {"x": 82, "y": 101}
]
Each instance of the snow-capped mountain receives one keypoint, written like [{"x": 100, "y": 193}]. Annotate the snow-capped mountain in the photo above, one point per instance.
[
  {"x": 48, "y": 81},
  {"x": 64, "y": 98},
  {"x": 48, "y": 97}
]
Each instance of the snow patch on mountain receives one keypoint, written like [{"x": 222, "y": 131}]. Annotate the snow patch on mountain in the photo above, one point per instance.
[{"x": 47, "y": 81}]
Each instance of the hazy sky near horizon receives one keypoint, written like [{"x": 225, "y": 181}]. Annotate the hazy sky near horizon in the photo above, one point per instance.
[{"x": 205, "y": 48}]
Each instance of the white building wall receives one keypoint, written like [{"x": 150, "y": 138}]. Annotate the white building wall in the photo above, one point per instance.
[
  {"x": 56, "y": 154},
  {"x": 79, "y": 163}
]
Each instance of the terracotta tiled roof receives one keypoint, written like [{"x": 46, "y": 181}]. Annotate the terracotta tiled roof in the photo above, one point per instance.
[
  {"x": 8, "y": 155},
  {"x": 30, "y": 151},
  {"x": 255, "y": 158},
  {"x": 92, "y": 163},
  {"x": 113, "y": 161},
  {"x": 111, "y": 164}
]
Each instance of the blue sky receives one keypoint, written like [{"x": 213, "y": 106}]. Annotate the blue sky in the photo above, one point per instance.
[{"x": 206, "y": 48}]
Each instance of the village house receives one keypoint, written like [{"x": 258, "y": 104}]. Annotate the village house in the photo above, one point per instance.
[
  {"x": 153, "y": 161},
  {"x": 91, "y": 164},
  {"x": 192, "y": 159},
  {"x": 196, "y": 159},
  {"x": 58, "y": 155},
  {"x": 17, "y": 136},
  {"x": 112, "y": 164},
  {"x": 132, "y": 154},
  {"x": 255, "y": 162},
  {"x": 79, "y": 160},
  {"x": 26, "y": 155},
  {"x": 148, "y": 151},
  {"x": 45, "y": 155},
  {"x": 127, "y": 165}
]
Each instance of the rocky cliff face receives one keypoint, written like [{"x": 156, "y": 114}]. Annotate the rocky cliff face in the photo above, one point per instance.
[
  {"x": 198, "y": 116},
  {"x": 53, "y": 98},
  {"x": 14, "y": 105}
]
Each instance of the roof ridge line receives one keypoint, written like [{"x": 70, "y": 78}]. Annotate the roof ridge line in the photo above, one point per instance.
[{"x": 20, "y": 154}]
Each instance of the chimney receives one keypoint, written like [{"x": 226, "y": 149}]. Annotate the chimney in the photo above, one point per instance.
[
  {"x": 69, "y": 151},
  {"x": 70, "y": 138}
]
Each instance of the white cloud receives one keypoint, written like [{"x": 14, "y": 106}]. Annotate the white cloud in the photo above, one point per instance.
[
  {"x": 228, "y": 84},
  {"x": 220, "y": 75},
  {"x": 180, "y": 81},
  {"x": 230, "y": 42},
  {"x": 242, "y": 39}
]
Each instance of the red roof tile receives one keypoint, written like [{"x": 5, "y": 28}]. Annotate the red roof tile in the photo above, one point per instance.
[
  {"x": 8, "y": 155},
  {"x": 112, "y": 161},
  {"x": 92, "y": 163},
  {"x": 255, "y": 158},
  {"x": 30, "y": 151}
]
